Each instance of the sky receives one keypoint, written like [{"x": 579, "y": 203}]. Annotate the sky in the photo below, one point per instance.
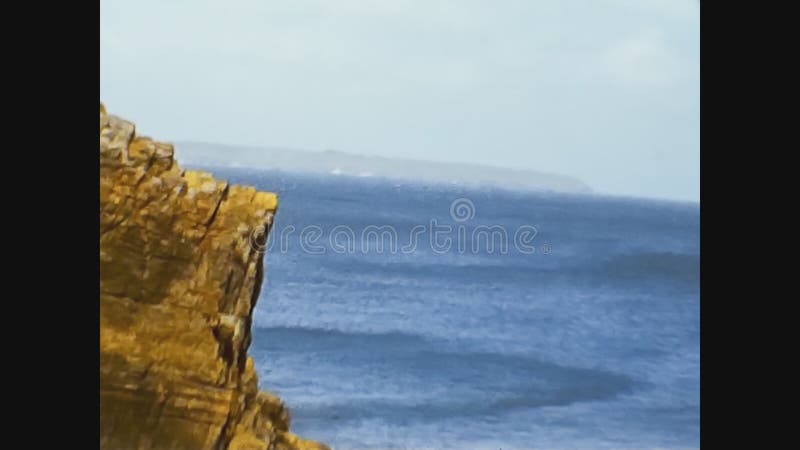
[{"x": 607, "y": 91}]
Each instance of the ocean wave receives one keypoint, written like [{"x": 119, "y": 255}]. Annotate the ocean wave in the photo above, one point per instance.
[
  {"x": 433, "y": 379},
  {"x": 678, "y": 269},
  {"x": 649, "y": 264}
]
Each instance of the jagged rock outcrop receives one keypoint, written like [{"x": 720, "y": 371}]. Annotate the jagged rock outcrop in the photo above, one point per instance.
[{"x": 179, "y": 277}]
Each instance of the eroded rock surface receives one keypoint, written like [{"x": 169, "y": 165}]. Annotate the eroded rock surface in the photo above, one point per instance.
[{"x": 179, "y": 277}]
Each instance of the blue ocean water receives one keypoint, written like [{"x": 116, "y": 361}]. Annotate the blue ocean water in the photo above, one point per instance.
[{"x": 590, "y": 340}]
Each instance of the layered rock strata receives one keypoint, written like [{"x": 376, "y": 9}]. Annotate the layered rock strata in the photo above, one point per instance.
[{"x": 180, "y": 271}]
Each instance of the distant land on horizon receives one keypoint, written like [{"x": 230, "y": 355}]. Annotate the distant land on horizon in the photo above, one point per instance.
[{"x": 341, "y": 163}]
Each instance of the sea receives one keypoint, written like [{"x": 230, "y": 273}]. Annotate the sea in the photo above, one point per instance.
[{"x": 396, "y": 315}]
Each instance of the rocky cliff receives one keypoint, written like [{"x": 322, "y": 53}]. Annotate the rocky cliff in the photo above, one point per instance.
[{"x": 179, "y": 277}]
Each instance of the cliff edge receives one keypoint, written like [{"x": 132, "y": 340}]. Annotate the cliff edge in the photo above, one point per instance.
[{"x": 179, "y": 277}]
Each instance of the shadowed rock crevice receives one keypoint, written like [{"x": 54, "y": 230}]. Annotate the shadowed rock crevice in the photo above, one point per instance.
[{"x": 179, "y": 278}]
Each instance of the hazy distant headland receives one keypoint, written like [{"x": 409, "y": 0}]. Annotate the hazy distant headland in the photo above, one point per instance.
[{"x": 341, "y": 163}]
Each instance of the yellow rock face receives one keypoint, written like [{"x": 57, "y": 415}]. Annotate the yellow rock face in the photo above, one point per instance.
[{"x": 180, "y": 272}]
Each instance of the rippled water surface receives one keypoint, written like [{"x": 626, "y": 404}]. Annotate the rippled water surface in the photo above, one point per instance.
[{"x": 591, "y": 341}]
